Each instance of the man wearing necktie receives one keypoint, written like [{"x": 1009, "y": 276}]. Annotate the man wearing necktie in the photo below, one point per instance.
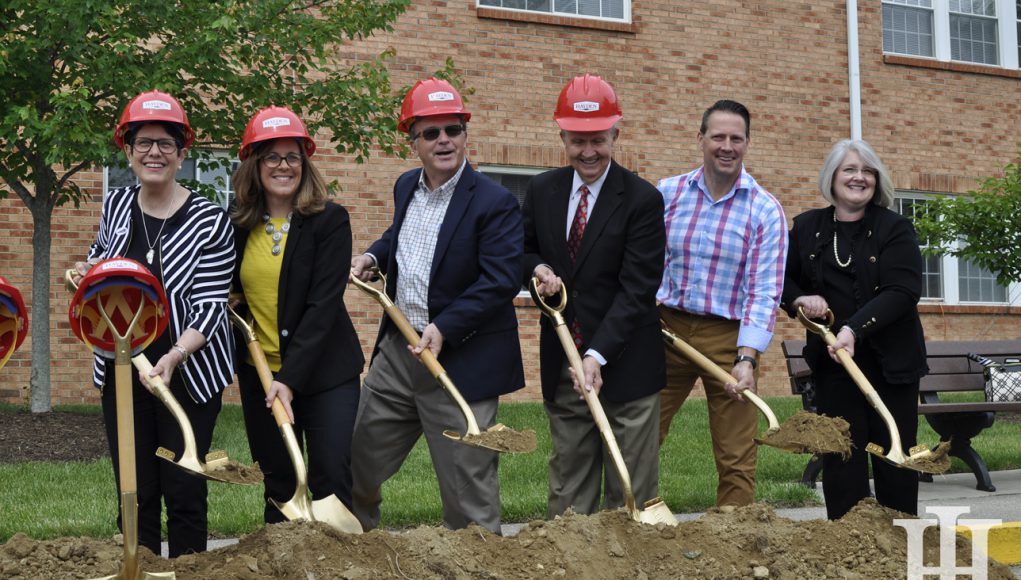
[{"x": 597, "y": 228}]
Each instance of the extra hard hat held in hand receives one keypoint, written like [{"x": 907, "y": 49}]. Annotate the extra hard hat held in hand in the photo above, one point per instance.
[
  {"x": 430, "y": 98},
  {"x": 275, "y": 123},
  {"x": 149, "y": 107},
  {"x": 587, "y": 104}
]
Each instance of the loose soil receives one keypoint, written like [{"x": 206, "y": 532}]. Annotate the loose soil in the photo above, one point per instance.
[
  {"x": 743, "y": 543},
  {"x": 724, "y": 543},
  {"x": 500, "y": 438},
  {"x": 808, "y": 432}
]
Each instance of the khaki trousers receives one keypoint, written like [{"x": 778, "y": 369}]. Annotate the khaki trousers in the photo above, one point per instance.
[
  {"x": 581, "y": 470},
  {"x": 732, "y": 424},
  {"x": 400, "y": 401}
]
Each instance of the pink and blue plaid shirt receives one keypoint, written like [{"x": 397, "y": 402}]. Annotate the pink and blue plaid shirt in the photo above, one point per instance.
[{"x": 724, "y": 258}]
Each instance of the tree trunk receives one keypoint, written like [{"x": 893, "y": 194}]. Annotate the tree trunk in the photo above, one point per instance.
[{"x": 42, "y": 217}]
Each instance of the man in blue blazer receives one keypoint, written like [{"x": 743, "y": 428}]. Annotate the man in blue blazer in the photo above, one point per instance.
[
  {"x": 452, "y": 258},
  {"x": 598, "y": 228}
]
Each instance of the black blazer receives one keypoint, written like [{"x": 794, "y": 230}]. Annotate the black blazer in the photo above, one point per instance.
[
  {"x": 612, "y": 286},
  {"x": 318, "y": 344},
  {"x": 473, "y": 282},
  {"x": 888, "y": 284}
]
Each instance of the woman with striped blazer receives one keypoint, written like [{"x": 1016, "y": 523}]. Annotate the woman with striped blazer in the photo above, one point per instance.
[{"x": 187, "y": 243}]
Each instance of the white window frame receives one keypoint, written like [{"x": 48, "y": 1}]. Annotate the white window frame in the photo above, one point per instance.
[
  {"x": 950, "y": 273},
  {"x": 625, "y": 18},
  {"x": 223, "y": 196},
  {"x": 1007, "y": 19}
]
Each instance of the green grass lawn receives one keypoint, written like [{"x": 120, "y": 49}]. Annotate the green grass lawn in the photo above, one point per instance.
[{"x": 46, "y": 500}]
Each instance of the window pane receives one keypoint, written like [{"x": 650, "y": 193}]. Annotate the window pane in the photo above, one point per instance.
[
  {"x": 537, "y": 5},
  {"x": 907, "y": 30},
  {"x": 919, "y": 3},
  {"x": 932, "y": 266},
  {"x": 976, "y": 284},
  {"x": 565, "y": 6},
  {"x": 613, "y": 8},
  {"x": 973, "y": 39},
  {"x": 515, "y": 183},
  {"x": 589, "y": 7}
]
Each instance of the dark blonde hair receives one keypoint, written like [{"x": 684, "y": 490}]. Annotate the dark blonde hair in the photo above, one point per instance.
[{"x": 250, "y": 198}]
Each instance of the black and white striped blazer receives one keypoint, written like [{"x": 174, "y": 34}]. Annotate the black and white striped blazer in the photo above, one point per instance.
[{"x": 198, "y": 264}]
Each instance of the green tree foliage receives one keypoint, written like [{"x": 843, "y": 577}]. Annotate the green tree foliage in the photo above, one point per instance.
[
  {"x": 983, "y": 226},
  {"x": 68, "y": 67}
]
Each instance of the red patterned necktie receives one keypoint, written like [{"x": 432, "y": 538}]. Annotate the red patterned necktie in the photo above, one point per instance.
[
  {"x": 578, "y": 225},
  {"x": 573, "y": 245}
]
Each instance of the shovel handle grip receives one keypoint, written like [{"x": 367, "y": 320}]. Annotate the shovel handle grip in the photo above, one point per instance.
[
  {"x": 426, "y": 356},
  {"x": 261, "y": 364},
  {"x": 719, "y": 374},
  {"x": 859, "y": 378}
]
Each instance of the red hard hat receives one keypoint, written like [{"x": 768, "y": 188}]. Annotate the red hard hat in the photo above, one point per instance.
[
  {"x": 13, "y": 320},
  {"x": 275, "y": 123},
  {"x": 121, "y": 287},
  {"x": 429, "y": 98},
  {"x": 587, "y": 104},
  {"x": 153, "y": 106}
]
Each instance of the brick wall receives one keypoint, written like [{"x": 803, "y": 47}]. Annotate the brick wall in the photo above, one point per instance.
[{"x": 939, "y": 128}]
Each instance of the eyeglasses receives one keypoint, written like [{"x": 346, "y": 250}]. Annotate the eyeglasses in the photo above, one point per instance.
[
  {"x": 433, "y": 133},
  {"x": 273, "y": 160},
  {"x": 143, "y": 145},
  {"x": 851, "y": 171}
]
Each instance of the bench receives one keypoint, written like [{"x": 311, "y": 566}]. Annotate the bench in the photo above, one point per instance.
[{"x": 950, "y": 371}]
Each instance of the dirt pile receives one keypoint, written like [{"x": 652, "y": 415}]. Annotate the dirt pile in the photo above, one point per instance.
[{"x": 751, "y": 542}]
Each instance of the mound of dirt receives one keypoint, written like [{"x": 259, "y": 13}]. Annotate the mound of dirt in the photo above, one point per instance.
[{"x": 750, "y": 542}]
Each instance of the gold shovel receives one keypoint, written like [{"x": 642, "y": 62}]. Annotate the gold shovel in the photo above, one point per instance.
[
  {"x": 329, "y": 510},
  {"x": 655, "y": 510},
  {"x": 919, "y": 457},
  {"x": 841, "y": 443},
  {"x": 217, "y": 466},
  {"x": 130, "y": 569},
  {"x": 499, "y": 437}
]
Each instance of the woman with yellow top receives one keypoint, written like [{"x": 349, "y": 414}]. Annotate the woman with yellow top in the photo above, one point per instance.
[{"x": 294, "y": 248}]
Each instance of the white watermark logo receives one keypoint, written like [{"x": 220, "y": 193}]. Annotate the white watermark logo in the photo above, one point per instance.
[{"x": 947, "y": 568}]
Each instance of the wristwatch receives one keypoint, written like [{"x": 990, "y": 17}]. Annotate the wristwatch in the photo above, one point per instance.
[{"x": 745, "y": 358}]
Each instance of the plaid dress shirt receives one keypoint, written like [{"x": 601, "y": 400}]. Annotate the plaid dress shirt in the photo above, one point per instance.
[
  {"x": 416, "y": 244},
  {"x": 724, "y": 258}
]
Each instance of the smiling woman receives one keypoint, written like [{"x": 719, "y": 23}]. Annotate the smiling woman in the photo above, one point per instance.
[
  {"x": 183, "y": 240},
  {"x": 292, "y": 250}
]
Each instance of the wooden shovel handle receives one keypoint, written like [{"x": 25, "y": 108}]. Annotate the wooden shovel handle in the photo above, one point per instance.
[
  {"x": 859, "y": 378},
  {"x": 719, "y": 374},
  {"x": 261, "y": 365}
]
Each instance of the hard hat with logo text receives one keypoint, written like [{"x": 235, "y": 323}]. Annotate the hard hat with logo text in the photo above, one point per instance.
[
  {"x": 149, "y": 107},
  {"x": 430, "y": 98},
  {"x": 107, "y": 300},
  {"x": 587, "y": 103},
  {"x": 275, "y": 123}
]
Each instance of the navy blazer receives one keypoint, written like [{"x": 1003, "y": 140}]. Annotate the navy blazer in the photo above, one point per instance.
[
  {"x": 612, "y": 285},
  {"x": 887, "y": 287},
  {"x": 318, "y": 344},
  {"x": 473, "y": 282}
]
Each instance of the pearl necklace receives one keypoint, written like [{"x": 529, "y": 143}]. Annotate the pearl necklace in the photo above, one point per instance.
[
  {"x": 277, "y": 235},
  {"x": 836, "y": 254}
]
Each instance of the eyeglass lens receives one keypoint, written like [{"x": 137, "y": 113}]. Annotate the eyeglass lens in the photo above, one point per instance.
[
  {"x": 165, "y": 145},
  {"x": 273, "y": 160},
  {"x": 433, "y": 133}
]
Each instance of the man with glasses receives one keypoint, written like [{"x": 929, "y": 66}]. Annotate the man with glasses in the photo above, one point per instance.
[
  {"x": 598, "y": 228},
  {"x": 452, "y": 258}
]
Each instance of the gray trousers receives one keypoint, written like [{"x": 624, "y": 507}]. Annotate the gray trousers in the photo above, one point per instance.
[
  {"x": 400, "y": 401},
  {"x": 581, "y": 469}
]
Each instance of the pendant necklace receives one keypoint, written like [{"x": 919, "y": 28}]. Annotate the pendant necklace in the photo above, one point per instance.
[
  {"x": 152, "y": 246},
  {"x": 275, "y": 234},
  {"x": 836, "y": 254}
]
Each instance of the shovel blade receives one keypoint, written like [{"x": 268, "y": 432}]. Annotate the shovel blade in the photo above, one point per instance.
[
  {"x": 656, "y": 512},
  {"x": 332, "y": 512}
]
